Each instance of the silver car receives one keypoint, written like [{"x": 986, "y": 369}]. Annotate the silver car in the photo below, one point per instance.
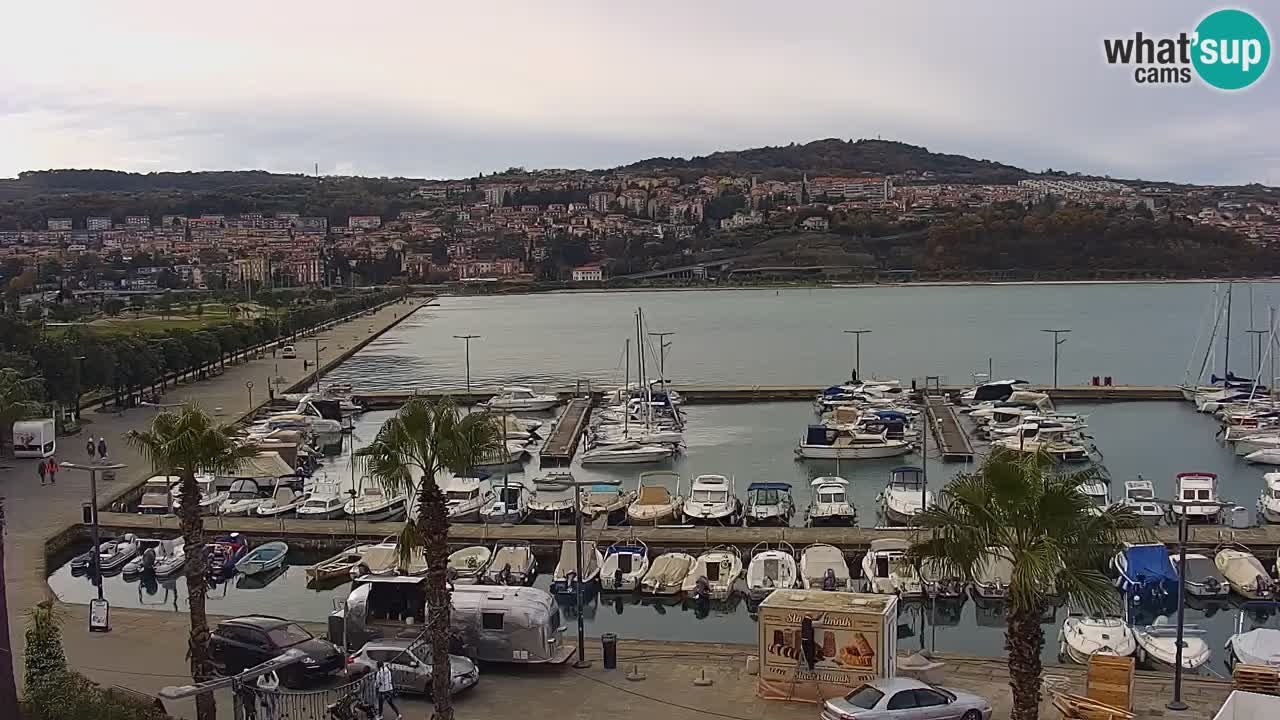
[
  {"x": 906, "y": 699},
  {"x": 410, "y": 662}
]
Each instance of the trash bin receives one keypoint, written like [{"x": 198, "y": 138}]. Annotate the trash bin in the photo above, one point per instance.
[{"x": 609, "y": 641}]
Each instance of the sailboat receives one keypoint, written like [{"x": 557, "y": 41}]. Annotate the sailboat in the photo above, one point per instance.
[
  {"x": 643, "y": 446},
  {"x": 1190, "y": 386}
]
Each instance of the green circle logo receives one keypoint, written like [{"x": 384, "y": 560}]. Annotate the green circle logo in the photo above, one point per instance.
[{"x": 1232, "y": 49}]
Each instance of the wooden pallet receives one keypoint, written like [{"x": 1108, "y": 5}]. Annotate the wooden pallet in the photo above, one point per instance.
[
  {"x": 1110, "y": 681},
  {"x": 1256, "y": 678},
  {"x": 1079, "y": 707}
]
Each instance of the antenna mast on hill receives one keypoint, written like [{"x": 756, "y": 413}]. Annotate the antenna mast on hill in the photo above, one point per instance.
[{"x": 317, "y": 169}]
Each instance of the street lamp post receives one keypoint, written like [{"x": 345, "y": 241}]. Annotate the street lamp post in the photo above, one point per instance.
[
  {"x": 467, "y": 339},
  {"x": 93, "y": 469},
  {"x": 857, "y": 352},
  {"x": 564, "y": 481},
  {"x": 1056, "y": 343}
]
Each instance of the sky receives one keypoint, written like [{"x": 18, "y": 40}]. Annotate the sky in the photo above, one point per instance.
[{"x": 446, "y": 89}]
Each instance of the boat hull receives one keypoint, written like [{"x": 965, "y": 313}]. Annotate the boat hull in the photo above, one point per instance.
[
  {"x": 661, "y": 517},
  {"x": 387, "y": 514},
  {"x": 334, "y": 514},
  {"x": 829, "y": 452}
]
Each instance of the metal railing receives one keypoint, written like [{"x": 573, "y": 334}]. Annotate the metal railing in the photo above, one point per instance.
[{"x": 343, "y": 702}]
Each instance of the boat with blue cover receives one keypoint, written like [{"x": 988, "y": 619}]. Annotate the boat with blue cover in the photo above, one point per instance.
[{"x": 1145, "y": 574}]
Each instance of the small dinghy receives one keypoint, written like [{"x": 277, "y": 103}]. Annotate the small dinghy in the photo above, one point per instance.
[
  {"x": 112, "y": 554},
  {"x": 1245, "y": 572},
  {"x": 667, "y": 573},
  {"x": 823, "y": 567},
  {"x": 654, "y": 503},
  {"x": 713, "y": 574},
  {"x": 565, "y": 579},
  {"x": 829, "y": 504},
  {"x": 512, "y": 564},
  {"x": 338, "y": 566},
  {"x": 161, "y": 559},
  {"x": 625, "y": 565},
  {"x": 146, "y": 549},
  {"x": 263, "y": 559},
  {"x": 887, "y": 571},
  {"x": 769, "y": 503},
  {"x": 991, "y": 581},
  {"x": 1157, "y": 645},
  {"x": 940, "y": 585},
  {"x": 1083, "y": 637},
  {"x": 467, "y": 566},
  {"x": 1203, "y": 578},
  {"x": 771, "y": 569},
  {"x": 608, "y": 501}
]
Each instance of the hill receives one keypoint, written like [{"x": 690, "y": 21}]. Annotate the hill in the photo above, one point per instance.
[
  {"x": 836, "y": 157},
  {"x": 71, "y": 181}
]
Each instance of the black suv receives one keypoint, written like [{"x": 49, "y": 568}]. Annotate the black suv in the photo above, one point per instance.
[{"x": 238, "y": 644}]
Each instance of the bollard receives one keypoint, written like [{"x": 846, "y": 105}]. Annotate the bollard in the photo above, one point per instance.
[
  {"x": 702, "y": 680},
  {"x": 609, "y": 643},
  {"x": 753, "y": 665},
  {"x": 635, "y": 675}
]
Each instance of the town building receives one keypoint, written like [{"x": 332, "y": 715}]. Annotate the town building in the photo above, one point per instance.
[{"x": 588, "y": 273}]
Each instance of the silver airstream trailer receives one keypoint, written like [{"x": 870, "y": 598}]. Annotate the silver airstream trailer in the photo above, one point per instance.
[{"x": 492, "y": 623}]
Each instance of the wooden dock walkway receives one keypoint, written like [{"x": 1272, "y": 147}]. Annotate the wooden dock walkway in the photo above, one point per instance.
[
  {"x": 953, "y": 442},
  {"x": 562, "y": 442}
]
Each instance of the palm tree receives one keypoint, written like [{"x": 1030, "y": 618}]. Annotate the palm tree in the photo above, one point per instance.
[
  {"x": 421, "y": 440},
  {"x": 184, "y": 443},
  {"x": 19, "y": 399},
  {"x": 1023, "y": 510}
]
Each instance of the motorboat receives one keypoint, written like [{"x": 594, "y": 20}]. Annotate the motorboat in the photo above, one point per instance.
[
  {"x": 654, "y": 503},
  {"x": 1098, "y": 490},
  {"x": 1139, "y": 498},
  {"x": 829, "y": 503},
  {"x": 625, "y": 565},
  {"x": 509, "y": 503},
  {"x": 1249, "y": 444},
  {"x": 513, "y": 563},
  {"x": 159, "y": 558},
  {"x": 550, "y": 506},
  {"x": 1145, "y": 573},
  {"x": 1269, "y": 498},
  {"x": 263, "y": 558},
  {"x": 464, "y": 497},
  {"x": 284, "y": 500},
  {"x": 156, "y": 495},
  {"x": 521, "y": 399},
  {"x": 1203, "y": 579},
  {"x": 1266, "y": 456},
  {"x": 338, "y": 566},
  {"x": 993, "y": 391},
  {"x": 568, "y": 574},
  {"x": 769, "y": 503},
  {"x": 610, "y": 434},
  {"x": 112, "y": 554},
  {"x": 382, "y": 559},
  {"x": 712, "y": 501},
  {"x": 713, "y": 574},
  {"x": 1197, "y": 487},
  {"x": 223, "y": 553},
  {"x": 1244, "y": 572},
  {"x": 1259, "y": 645},
  {"x": 823, "y": 443},
  {"x": 511, "y": 427},
  {"x": 1083, "y": 636},
  {"x": 771, "y": 569},
  {"x": 1056, "y": 442},
  {"x": 823, "y": 567},
  {"x": 993, "y": 576},
  {"x": 627, "y": 453},
  {"x": 887, "y": 571},
  {"x": 313, "y": 421},
  {"x": 210, "y": 497},
  {"x": 371, "y": 504},
  {"x": 324, "y": 503},
  {"x": 243, "y": 498},
  {"x": 467, "y": 566},
  {"x": 607, "y": 501},
  {"x": 1158, "y": 645},
  {"x": 511, "y": 455},
  {"x": 939, "y": 584},
  {"x": 667, "y": 573},
  {"x": 905, "y": 496}
]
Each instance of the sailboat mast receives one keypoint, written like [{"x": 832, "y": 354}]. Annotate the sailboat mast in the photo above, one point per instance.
[
  {"x": 626, "y": 391},
  {"x": 644, "y": 381},
  {"x": 1226, "y": 355}
]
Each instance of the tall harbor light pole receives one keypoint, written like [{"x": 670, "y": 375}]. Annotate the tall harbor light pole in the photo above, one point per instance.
[
  {"x": 95, "y": 568},
  {"x": 857, "y": 352},
  {"x": 1056, "y": 343},
  {"x": 467, "y": 339}
]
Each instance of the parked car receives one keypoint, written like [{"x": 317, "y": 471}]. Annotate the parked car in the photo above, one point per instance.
[
  {"x": 288, "y": 353},
  {"x": 906, "y": 699},
  {"x": 410, "y": 662},
  {"x": 241, "y": 643}
]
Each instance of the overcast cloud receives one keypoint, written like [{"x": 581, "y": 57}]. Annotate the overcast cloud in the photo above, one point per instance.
[{"x": 436, "y": 89}]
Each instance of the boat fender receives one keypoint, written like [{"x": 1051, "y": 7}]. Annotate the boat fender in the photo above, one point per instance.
[{"x": 726, "y": 564}]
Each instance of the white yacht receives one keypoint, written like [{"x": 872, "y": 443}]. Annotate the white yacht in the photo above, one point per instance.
[
  {"x": 210, "y": 497},
  {"x": 156, "y": 494},
  {"x": 605, "y": 435},
  {"x": 1139, "y": 498},
  {"x": 511, "y": 456},
  {"x": 823, "y": 567},
  {"x": 627, "y": 453},
  {"x": 1269, "y": 498},
  {"x": 371, "y": 504},
  {"x": 625, "y": 565},
  {"x": 712, "y": 501},
  {"x": 1254, "y": 442},
  {"x": 1197, "y": 486},
  {"x": 243, "y": 498},
  {"x": 771, "y": 568},
  {"x": 995, "y": 390},
  {"x": 905, "y": 496},
  {"x": 887, "y": 572},
  {"x": 768, "y": 503},
  {"x": 464, "y": 497},
  {"x": 1083, "y": 637},
  {"x": 325, "y": 503},
  {"x": 1056, "y": 442},
  {"x": 508, "y": 503},
  {"x": 829, "y": 502},
  {"x": 521, "y": 399},
  {"x": 1266, "y": 456},
  {"x": 823, "y": 443},
  {"x": 713, "y": 574}
]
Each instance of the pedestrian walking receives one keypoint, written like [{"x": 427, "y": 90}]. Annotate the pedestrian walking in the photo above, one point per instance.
[
  {"x": 90, "y": 447},
  {"x": 53, "y": 471},
  {"x": 386, "y": 689},
  {"x": 41, "y": 468},
  {"x": 102, "y": 449}
]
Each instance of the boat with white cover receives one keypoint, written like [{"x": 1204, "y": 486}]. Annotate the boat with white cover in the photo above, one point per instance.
[
  {"x": 712, "y": 501},
  {"x": 1245, "y": 572},
  {"x": 713, "y": 574},
  {"x": 667, "y": 573},
  {"x": 1259, "y": 644},
  {"x": 325, "y": 503},
  {"x": 566, "y": 576},
  {"x": 655, "y": 504},
  {"x": 467, "y": 566},
  {"x": 625, "y": 565},
  {"x": 1083, "y": 636},
  {"x": 243, "y": 498},
  {"x": 993, "y": 576},
  {"x": 823, "y": 567},
  {"x": 1269, "y": 498},
  {"x": 829, "y": 503},
  {"x": 1056, "y": 442},
  {"x": 626, "y": 454},
  {"x": 371, "y": 504},
  {"x": 1197, "y": 487},
  {"x": 465, "y": 497},
  {"x": 771, "y": 568},
  {"x": 887, "y": 571},
  {"x": 1158, "y": 645},
  {"x": 513, "y": 563},
  {"x": 521, "y": 399},
  {"x": 905, "y": 495}
]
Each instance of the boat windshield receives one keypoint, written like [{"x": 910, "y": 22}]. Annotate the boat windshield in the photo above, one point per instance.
[
  {"x": 1275, "y": 494},
  {"x": 1141, "y": 494},
  {"x": 831, "y": 496},
  {"x": 460, "y": 494},
  {"x": 713, "y": 496},
  {"x": 285, "y": 636},
  {"x": 510, "y": 495},
  {"x": 768, "y": 497}
]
